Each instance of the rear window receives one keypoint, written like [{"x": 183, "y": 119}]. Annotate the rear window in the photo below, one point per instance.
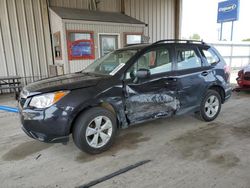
[{"x": 210, "y": 56}]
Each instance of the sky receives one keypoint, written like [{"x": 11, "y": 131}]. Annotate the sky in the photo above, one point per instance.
[{"x": 200, "y": 16}]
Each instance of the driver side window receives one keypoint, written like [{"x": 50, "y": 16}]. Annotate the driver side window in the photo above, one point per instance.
[{"x": 156, "y": 61}]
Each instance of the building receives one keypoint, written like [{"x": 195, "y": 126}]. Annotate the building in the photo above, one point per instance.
[
  {"x": 26, "y": 37},
  {"x": 80, "y": 36}
]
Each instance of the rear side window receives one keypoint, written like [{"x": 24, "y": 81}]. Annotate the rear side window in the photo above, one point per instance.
[
  {"x": 187, "y": 59},
  {"x": 210, "y": 56}
]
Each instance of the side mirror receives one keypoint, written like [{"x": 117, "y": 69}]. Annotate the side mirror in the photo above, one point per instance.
[{"x": 143, "y": 73}]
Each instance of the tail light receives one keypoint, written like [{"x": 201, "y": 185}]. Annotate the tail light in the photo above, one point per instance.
[
  {"x": 227, "y": 69},
  {"x": 240, "y": 78}
]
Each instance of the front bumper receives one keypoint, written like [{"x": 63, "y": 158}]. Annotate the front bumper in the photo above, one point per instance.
[
  {"x": 45, "y": 138},
  {"x": 50, "y": 125},
  {"x": 243, "y": 83}
]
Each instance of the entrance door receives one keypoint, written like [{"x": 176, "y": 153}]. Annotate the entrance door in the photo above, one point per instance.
[
  {"x": 154, "y": 96},
  {"x": 108, "y": 43}
]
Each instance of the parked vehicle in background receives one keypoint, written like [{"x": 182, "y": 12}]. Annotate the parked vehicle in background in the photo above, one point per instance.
[
  {"x": 243, "y": 79},
  {"x": 125, "y": 87}
]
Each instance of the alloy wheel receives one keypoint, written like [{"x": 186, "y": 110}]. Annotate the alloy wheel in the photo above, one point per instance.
[
  {"x": 212, "y": 106},
  {"x": 99, "y": 131}
]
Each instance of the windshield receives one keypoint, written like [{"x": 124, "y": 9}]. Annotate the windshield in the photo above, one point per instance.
[{"x": 111, "y": 63}]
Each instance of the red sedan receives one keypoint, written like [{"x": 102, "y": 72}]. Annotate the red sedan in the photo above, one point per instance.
[{"x": 243, "y": 79}]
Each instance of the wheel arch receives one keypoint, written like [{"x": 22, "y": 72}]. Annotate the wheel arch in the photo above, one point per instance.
[
  {"x": 220, "y": 90},
  {"x": 106, "y": 105}
]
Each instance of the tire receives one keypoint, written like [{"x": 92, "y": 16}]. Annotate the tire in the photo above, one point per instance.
[
  {"x": 89, "y": 133},
  {"x": 210, "y": 106}
]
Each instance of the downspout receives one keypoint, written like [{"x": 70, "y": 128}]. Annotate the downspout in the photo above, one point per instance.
[
  {"x": 50, "y": 34},
  {"x": 122, "y": 6},
  {"x": 92, "y": 4},
  {"x": 178, "y": 12}
]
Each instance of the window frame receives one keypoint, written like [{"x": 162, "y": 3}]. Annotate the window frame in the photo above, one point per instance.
[
  {"x": 171, "y": 57},
  {"x": 185, "y": 47},
  {"x": 69, "y": 44},
  {"x": 205, "y": 58},
  {"x": 125, "y": 34},
  {"x": 58, "y": 35}
]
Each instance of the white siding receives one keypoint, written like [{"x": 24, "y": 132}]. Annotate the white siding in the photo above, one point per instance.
[
  {"x": 25, "y": 48},
  {"x": 103, "y": 5},
  {"x": 158, "y": 14},
  {"x": 109, "y": 5},
  {"x": 82, "y": 4}
]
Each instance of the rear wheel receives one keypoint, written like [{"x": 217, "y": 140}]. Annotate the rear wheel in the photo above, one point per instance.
[
  {"x": 95, "y": 130},
  {"x": 210, "y": 106}
]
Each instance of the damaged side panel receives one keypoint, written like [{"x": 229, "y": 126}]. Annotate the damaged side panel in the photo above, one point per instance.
[
  {"x": 114, "y": 97},
  {"x": 141, "y": 106},
  {"x": 138, "y": 102}
]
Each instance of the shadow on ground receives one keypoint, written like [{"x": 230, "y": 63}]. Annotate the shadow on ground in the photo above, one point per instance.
[
  {"x": 25, "y": 149},
  {"x": 128, "y": 141}
]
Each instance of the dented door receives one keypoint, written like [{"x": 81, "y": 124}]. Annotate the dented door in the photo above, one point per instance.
[{"x": 155, "y": 96}]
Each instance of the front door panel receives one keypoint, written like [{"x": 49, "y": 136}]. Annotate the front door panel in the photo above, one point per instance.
[{"x": 154, "y": 96}]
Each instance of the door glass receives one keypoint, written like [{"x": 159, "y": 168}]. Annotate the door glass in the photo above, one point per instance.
[
  {"x": 187, "y": 59},
  {"x": 156, "y": 61},
  {"x": 108, "y": 43}
]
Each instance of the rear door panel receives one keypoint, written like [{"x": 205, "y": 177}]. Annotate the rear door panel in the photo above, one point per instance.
[{"x": 191, "y": 82}]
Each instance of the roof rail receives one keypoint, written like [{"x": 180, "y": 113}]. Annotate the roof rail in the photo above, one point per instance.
[
  {"x": 179, "y": 40},
  {"x": 127, "y": 45}
]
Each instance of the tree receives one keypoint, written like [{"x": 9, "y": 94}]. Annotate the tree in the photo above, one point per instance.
[
  {"x": 246, "y": 40},
  {"x": 195, "y": 36}
]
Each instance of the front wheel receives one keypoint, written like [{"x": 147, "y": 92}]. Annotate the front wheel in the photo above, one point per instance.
[
  {"x": 94, "y": 130},
  {"x": 210, "y": 106}
]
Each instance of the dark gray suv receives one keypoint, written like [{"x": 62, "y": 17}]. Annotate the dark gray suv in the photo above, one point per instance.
[{"x": 130, "y": 85}]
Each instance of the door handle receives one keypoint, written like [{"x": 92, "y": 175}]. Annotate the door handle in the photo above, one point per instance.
[
  {"x": 171, "y": 79},
  {"x": 204, "y": 73}
]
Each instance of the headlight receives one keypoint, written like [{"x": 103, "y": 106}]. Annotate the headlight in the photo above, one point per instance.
[{"x": 46, "y": 100}]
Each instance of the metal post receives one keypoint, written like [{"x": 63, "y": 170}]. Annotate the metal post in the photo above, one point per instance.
[
  {"x": 231, "y": 55},
  {"x": 221, "y": 29},
  {"x": 232, "y": 30}
]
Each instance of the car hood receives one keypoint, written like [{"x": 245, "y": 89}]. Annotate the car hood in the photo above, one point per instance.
[{"x": 64, "y": 82}]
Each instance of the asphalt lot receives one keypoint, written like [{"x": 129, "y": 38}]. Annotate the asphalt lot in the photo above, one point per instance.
[{"x": 185, "y": 152}]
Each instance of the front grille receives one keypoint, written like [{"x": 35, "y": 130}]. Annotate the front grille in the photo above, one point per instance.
[
  {"x": 247, "y": 74},
  {"x": 247, "y": 78}
]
